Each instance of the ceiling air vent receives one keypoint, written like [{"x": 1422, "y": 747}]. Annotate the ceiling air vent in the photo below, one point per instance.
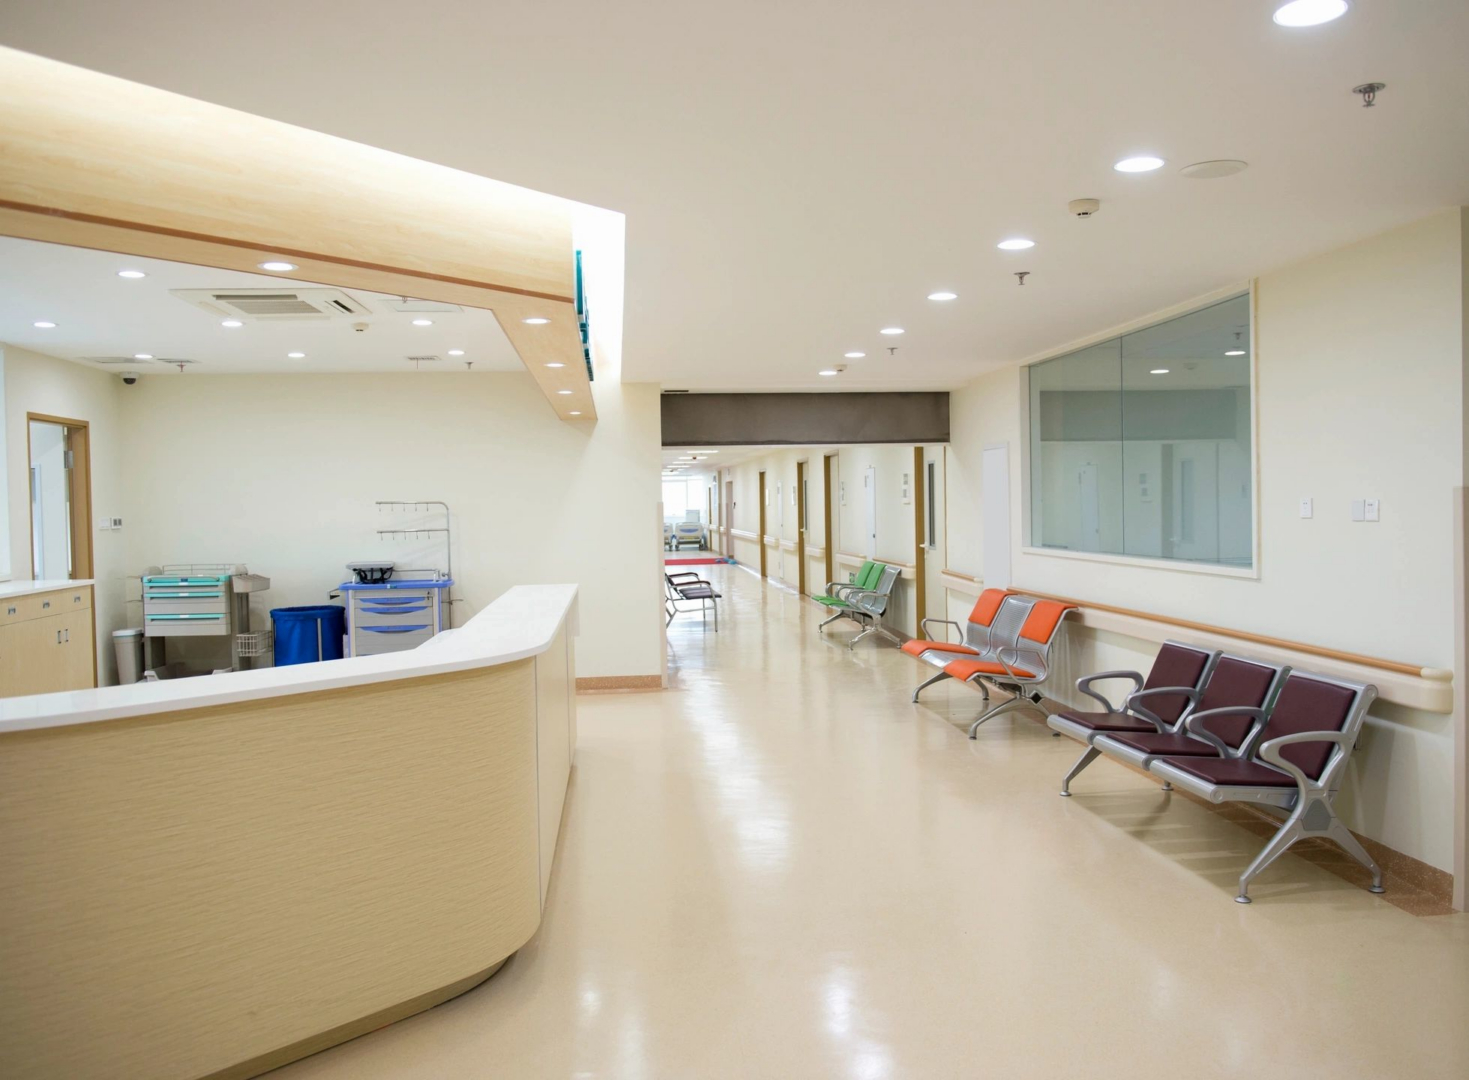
[
  {"x": 274, "y": 305},
  {"x": 119, "y": 361}
]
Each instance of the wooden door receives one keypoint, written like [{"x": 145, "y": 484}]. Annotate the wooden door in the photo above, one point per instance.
[
  {"x": 760, "y": 532},
  {"x": 828, "y": 539},
  {"x": 801, "y": 527}
]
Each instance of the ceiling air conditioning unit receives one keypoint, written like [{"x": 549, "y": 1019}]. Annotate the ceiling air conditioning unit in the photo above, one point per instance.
[{"x": 274, "y": 305}]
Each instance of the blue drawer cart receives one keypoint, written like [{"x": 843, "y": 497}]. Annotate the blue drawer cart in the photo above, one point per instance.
[{"x": 394, "y": 615}]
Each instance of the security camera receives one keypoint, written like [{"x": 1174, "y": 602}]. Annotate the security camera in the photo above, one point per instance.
[
  {"x": 129, "y": 378},
  {"x": 360, "y": 327}
]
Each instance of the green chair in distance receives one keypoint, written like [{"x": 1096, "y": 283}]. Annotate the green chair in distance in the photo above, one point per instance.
[{"x": 863, "y": 600}]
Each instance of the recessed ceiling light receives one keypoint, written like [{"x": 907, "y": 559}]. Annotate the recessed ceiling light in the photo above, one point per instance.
[
  {"x": 456, "y": 352},
  {"x": 296, "y": 355},
  {"x": 423, "y": 322},
  {"x": 684, "y": 459},
  {"x": 854, "y": 355},
  {"x": 535, "y": 321},
  {"x": 1159, "y": 371},
  {"x": 1141, "y": 163},
  {"x": 142, "y": 356},
  {"x": 1235, "y": 352},
  {"x": 827, "y": 372},
  {"x": 563, "y": 391},
  {"x": 132, "y": 274},
  {"x": 574, "y": 412},
  {"x": 555, "y": 363},
  {"x": 42, "y": 324},
  {"x": 231, "y": 324},
  {"x": 275, "y": 266},
  {"x": 943, "y": 296},
  {"x": 890, "y": 330},
  {"x": 1017, "y": 243},
  {"x": 1213, "y": 170},
  {"x": 1309, "y": 12}
]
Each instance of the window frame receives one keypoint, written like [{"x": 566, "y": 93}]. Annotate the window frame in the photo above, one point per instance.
[{"x": 1248, "y": 288}]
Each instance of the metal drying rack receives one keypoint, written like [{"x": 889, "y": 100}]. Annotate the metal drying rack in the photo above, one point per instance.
[{"x": 423, "y": 505}]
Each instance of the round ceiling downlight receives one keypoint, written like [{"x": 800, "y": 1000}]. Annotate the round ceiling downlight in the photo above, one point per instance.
[
  {"x": 423, "y": 322},
  {"x": 276, "y": 266},
  {"x": 1159, "y": 371},
  {"x": 854, "y": 355},
  {"x": 131, "y": 275},
  {"x": 943, "y": 296},
  {"x": 1214, "y": 170},
  {"x": 231, "y": 324},
  {"x": 142, "y": 356},
  {"x": 535, "y": 321},
  {"x": 1299, "y": 13},
  {"x": 44, "y": 324},
  {"x": 1140, "y": 163},
  {"x": 891, "y": 330},
  {"x": 1016, "y": 243},
  {"x": 1235, "y": 352}
]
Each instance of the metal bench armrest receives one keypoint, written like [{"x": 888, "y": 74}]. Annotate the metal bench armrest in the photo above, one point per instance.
[
  {"x": 1270, "y": 751},
  {"x": 1016, "y": 652},
  {"x": 1130, "y": 703},
  {"x": 1193, "y": 727},
  {"x": 942, "y": 622},
  {"x": 1084, "y": 686}
]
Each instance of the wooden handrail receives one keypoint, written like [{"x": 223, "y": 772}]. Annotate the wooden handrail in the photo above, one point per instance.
[
  {"x": 1242, "y": 635},
  {"x": 863, "y": 558}
]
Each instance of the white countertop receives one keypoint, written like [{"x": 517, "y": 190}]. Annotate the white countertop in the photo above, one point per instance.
[
  {"x": 26, "y": 588},
  {"x": 521, "y": 623}
]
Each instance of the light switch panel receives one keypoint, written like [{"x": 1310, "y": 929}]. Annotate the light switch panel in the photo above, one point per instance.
[
  {"x": 1373, "y": 509},
  {"x": 1359, "y": 510},
  {"x": 1305, "y": 508}
]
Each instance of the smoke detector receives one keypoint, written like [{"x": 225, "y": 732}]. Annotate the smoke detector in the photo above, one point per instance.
[{"x": 1084, "y": 207}]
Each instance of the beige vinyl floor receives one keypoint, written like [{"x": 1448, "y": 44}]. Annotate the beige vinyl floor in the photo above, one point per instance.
[{"x": 782, "y": 868}]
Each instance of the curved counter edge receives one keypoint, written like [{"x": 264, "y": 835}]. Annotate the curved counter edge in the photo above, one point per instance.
[
  {"x": 521, "y": 622},
  {"x": 215, "y": 887}
]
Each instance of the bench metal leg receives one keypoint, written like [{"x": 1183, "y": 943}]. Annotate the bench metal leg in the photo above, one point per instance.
[
  {"x": 833, "y": 619},
  {"x": 942, "y": 675},
  {"x": 853, "y": 643},
  {"x": 1313, "y": 817},
  {"x": 1348, "y": 843},
  {"x": 1088, "y": 755},
  {"x": 1017, "y": 702}
]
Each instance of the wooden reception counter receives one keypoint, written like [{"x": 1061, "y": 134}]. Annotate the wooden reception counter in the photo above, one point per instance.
[{"x": 211, "y": 877}]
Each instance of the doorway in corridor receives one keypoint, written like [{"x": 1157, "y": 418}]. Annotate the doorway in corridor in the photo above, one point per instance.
[
  {"x": 760, "y": 532},
  {"x": 801, "y": 527}
]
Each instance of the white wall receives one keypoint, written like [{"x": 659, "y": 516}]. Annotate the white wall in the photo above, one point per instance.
[
  {"x": 281, "y": 473},
  {"x": 43, "y": 384},
  {"x": 1360, "y": 363}
]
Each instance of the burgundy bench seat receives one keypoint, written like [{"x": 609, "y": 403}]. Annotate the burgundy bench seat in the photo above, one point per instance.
[{"x": 1230, "y": 772}]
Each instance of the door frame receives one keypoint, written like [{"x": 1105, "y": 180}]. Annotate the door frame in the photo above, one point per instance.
[
  {"x": 80, "y": 493},
  {"x": 826, "y": 511},
  {"x": 920, "y": 540},
  {"x": 801, "y": 527},
  {"x": 761, "y": 531}
]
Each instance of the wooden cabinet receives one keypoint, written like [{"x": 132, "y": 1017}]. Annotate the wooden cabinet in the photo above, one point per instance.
[{"x": 46, "y": 642}]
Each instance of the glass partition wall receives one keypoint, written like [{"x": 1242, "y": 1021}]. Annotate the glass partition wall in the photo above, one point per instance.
[{"x": 1141, "y": 445}]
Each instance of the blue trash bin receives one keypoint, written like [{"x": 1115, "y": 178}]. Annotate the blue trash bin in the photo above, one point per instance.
[{"x": 304, "y": 635}]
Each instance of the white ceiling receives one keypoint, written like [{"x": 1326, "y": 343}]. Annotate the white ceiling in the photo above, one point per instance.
[
  {"x": 796, "y": 176},
  {"x": 98, "y": 314}
]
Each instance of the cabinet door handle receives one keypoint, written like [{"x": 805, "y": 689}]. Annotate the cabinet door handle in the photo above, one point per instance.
[
  {"x": 45, "y": 604},
  {"x": 67, "y": 632},
  {"x": 58, "y": 637}
]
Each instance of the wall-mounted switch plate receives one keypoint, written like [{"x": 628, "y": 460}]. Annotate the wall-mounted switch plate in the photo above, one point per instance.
[
  {"x": 1359, "y": 510},
  {"x": 1305, "y": 508},
  {"x": 1374, "y": 509},
  {"x": 117, "y": 523}
]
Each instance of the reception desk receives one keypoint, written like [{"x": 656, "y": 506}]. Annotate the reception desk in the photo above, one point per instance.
[{"x": 211, "y": 877}]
